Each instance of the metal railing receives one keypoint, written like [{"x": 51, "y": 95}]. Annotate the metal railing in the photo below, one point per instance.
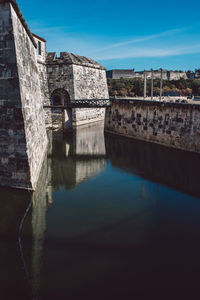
[{"x": 83, "y": 103}]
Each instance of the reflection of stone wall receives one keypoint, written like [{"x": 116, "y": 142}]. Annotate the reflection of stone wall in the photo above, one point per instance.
[
  {"x": 175, "y": 168},
  {"x": 89, "y": 140},
  {"x": 70, "y": 172},
  {"x": 86, "y": 169},
  {"x": 42, "y": 198},
  {"x": 79, "y": 157}
]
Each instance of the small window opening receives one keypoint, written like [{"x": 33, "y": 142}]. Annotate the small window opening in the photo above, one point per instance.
[{"x": 39, "y": 48}]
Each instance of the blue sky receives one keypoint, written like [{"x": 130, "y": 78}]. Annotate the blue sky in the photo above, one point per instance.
[{"x": 120, "y": 34}]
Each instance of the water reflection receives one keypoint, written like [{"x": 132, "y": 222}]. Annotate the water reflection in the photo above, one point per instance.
[
  {"x": 42, "y": 200},
  {"x": 175, "y": 168},
  {"x": 78, "y": 157},
  {"x": 89, "y": 140},
  {"x": 66, "y": 164},
  {"x": 13, "y": 204},
  {"x": 101, "y": 219}
]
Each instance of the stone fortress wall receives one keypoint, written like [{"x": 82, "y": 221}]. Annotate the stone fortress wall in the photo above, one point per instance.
[
  {"x": 81, "y": 78},
  {"x": 41, "y": 55},
  {"x": 22, "y": 123},
  {"x": 29, "y": 80},
  {"x": 171, "y": 124}
]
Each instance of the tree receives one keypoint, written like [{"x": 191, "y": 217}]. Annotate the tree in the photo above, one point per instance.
[
  {"x": 196, "y": 87},
  {"x": 188, "y": 92}
]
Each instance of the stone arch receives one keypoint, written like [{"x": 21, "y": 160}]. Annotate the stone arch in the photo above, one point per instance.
[
  {"x": 60, "y": 97},
  {"x": 61, "y": 117}
]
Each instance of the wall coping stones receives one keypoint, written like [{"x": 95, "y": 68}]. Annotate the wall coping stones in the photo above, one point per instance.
[
  {"x": 72, "y": 59},
  {"x": 158, "y": 103},
  {"x": 20, "y": 16}
]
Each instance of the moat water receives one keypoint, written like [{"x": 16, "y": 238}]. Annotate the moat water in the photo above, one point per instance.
[{"x": 111, "y": 218}]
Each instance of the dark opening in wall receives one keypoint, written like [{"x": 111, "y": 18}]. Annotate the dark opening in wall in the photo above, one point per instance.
[{"x": 39, "y": 48}]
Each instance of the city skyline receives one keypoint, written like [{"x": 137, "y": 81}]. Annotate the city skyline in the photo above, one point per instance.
[{"x": 135, "y": 35}]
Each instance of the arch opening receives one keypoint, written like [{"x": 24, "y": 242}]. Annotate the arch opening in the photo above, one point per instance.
[
  {"x": 61, "y": 118},
  {"x": 60, "y": 97}
]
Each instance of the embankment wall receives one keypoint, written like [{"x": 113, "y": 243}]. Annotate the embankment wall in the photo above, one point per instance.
[{"x": 171, "y": 124}]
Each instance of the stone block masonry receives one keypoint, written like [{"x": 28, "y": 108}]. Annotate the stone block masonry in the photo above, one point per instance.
[
  {"x": 89, "y": 83},
  {"x": 23, "y": 139},
  {"x": 31, "y": 78},
  {"x": 80, "y": 78},
  {"x": 171, "y": 124}
]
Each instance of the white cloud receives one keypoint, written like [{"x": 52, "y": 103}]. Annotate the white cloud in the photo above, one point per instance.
[
  {"x": 137, "y": 52},
  {"x": 145, "y": 38}
]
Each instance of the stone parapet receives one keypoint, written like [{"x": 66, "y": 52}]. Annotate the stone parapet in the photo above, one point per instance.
[{"x": 72, "y": 59}]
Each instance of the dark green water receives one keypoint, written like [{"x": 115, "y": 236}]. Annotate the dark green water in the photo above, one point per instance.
[{"x": 111, "y": 219}]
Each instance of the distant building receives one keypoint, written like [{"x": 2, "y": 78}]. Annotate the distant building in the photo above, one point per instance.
[
  {"x": 197, "y": 73},
  {"x": 117, "y": 74},
  {"x": 190, "y": 75},
  {"x": 193, "y": 75},
  {"x": 131, "y": 73}
]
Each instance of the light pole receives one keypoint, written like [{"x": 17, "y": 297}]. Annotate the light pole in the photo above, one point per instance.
[
  {"x": 161, "y": 83},
  {"x": 151, "y": 84},
  {"x": 145, "y": 84}
]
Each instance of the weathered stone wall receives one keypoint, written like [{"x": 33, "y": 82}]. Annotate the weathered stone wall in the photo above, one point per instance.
[
  {"x": 13, "y": 158},
  {"x": 83, "y": 116},
  {"x": 31, "y": 98},
  {"x": 23, "y": 134},
  {"x": 42, "y": 70},
  {"x": 82, "y": 80},
  {"x": 60, "y": 75},
  {"x": 89, "y": 83},
  {"x": 171, "y": 124}
]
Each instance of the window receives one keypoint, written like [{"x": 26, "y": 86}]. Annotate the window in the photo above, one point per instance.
[{"x": 39, "y": 48}]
